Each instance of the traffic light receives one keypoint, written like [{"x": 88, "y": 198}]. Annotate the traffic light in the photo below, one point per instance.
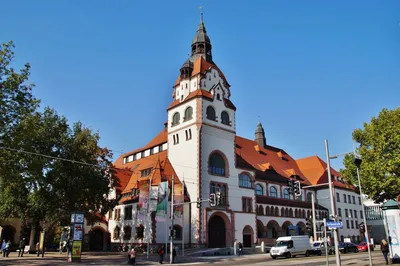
[
  {"x": 308, "y": 223},
  {"x": 198, "y": 203},
  {"x": 218, "y": 198},
  {"x": 362, "y": 228},
  {"x": 290, "y": 184},
  {"x": 297, "y": 188},
  {"x": 212, "y": 200},
  {"x": 173, "y": 234}
]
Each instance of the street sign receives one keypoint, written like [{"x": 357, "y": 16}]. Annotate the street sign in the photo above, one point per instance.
[{"x": 333, "y": 224}]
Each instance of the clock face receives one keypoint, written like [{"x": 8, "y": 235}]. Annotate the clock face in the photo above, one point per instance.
[{"x": 79, "y": 218}]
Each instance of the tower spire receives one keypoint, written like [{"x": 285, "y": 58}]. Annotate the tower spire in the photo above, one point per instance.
[{"x": 201, "y": 14}]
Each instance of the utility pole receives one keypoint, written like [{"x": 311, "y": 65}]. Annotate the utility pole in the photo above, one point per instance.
[
  {"x": 172, "y": 222},
  {"x": 333, "y": 211},
  {"x": 313, "y": 216}
]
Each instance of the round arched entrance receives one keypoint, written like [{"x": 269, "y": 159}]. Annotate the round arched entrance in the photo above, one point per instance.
[
  {"x": 286, "y": 231},
  {"x": 216, "y": 232},
  {"x": 247, "y": 236},
  {"x": 97, "y": 238},
  {"x": 8, "y": 233}
]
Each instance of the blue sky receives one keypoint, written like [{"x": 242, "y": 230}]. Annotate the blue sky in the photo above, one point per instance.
[{"x": 311, "y": 70}]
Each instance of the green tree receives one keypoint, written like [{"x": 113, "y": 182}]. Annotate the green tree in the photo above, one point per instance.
[
  {"x": 16, "y": 99},
  {"x": 379, "y": 149},
  {"x": 48, "y": 168}
]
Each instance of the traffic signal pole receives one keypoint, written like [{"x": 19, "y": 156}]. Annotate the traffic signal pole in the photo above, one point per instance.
[{"x": 313, "y": 216}]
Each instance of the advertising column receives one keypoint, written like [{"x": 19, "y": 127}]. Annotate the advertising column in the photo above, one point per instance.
[
  {"x": 391, "y": 213},
  {"x": 76, "y": 237}
]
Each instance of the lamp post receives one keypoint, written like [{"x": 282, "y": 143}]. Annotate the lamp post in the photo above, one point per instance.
[
  {"x": 333, "y": 211},
  {"x": 357, "y": 162}
]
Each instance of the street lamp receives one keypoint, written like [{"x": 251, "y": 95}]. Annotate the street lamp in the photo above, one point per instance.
[
  {"x": 333, "y": 211},
  {"x": 357, "y": 162}
]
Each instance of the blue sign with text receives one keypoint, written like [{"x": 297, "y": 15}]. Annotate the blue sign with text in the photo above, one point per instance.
[{"x": 333, "y": 224}]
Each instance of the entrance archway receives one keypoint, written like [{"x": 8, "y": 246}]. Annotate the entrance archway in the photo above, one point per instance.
[
  {"x": 273, "y": 229},
  {"x": 247, "y": 236},
  {"x": 97, "y": 238},
  {"x": 216, "y": 232},
  {"x": 8, "y": 233},
  {"x": 285, "y": 228}
]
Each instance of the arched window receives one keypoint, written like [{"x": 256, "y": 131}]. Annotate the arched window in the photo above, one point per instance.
[
  {"x": 259, "y": 190},
  {"x": 178, "y": 232},
  {"x": 127, "y": 232},
  {"x": 210, "y": 113},
  {"x": 188, "y": 114},
  {"x": 140, "y": 232},
  {"x": 273, "y": 192},
  {"x": 225, "y": 118},
  {"x": 286, "y": 194},
  {"x": 216, "y": 165},
  {"x": 244, "y": 180},
  {"x": 175, "y": 119},
  {"x": 117, "y": 232},
  {"x": 309, "y": 196}
]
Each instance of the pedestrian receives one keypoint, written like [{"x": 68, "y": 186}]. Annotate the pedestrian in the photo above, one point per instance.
[
  {"x": 8, "y": 248},
  {"x": 132, "y": 256},
  {"x": 21, "y": 247},
  {"x": 161, "y": 252},
  {"x": 240, "y": 249},
  {"x": 385, "y": 250},
  {"x": 3, "y": 247},
  {"x": 37, "y": 248},
  {"x": 173, "y": 254}
]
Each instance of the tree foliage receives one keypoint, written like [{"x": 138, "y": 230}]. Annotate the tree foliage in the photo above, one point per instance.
[
  {"x": 379, "y": 149},
  {"x": 48, "y": 168}
]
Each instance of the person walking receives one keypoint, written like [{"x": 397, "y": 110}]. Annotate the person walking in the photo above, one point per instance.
[
  {"x": 132, "y": 256},
  {"x": 3, "y": 247},
  {"x": 240, "y": 249},
  {"x": 161, "y": 252},
  {"x": 21, "y": 248},
  {"x": 8, "y": 248},
  {"x": 173, "y": 254},
  {"x": 385, "y": 250}
]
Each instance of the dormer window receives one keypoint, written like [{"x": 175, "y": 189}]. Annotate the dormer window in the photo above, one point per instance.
[
  {"x": 145, "y": 172},
  {"x": 142, "y": 154}
]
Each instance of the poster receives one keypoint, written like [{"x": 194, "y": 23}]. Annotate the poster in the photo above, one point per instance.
[
  {"x": 78, "y": 232},
  {"x": 41, "y": 240},
  {"x": 162, "y": 202},
  {"x": 392, "y": 227},
  {"x": 143, "y": 199},
  {"x": 153, "y": 198},
  {"x": 76, "y": 249},
  {"x": 178, "y": 199}
]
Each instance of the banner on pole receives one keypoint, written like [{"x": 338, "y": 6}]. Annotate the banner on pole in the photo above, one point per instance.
[
  {"x": 162, "y": 202},
  {"x": 153, "y": 199},
  {"x": 143, "y": 199},
  {"x": 178, "y": 199}
]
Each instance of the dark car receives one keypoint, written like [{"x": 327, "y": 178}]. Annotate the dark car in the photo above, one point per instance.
[{"x": 348, "y": 247}]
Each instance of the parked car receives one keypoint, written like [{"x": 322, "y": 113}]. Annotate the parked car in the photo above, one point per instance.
[
  {"x": 363, "y": 247},
  {"x": 347, "y": 247},
  {"x": 318, "y": 248},
  {"x": 291, "y": 246}
]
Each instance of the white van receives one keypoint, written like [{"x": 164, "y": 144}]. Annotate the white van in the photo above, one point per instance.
[{"x": 291, "y": 246}]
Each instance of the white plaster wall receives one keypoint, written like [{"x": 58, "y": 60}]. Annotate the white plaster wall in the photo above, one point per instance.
[
  {"x": 219, "y": 106},
  {"x": 184, "y": 155},
  {"x": 323, "y": 198},
  {"x": 212, "y": 78},
  {"x": 241, "y": 220}
]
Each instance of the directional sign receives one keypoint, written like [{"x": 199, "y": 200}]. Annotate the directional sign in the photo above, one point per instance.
[{"x": 333, "y": 224}]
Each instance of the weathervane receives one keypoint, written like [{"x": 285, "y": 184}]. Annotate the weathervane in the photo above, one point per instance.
[{"x": 201, "y": 13}]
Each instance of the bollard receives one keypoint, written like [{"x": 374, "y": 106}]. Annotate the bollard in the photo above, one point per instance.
[{"x": 262, "y": 247}]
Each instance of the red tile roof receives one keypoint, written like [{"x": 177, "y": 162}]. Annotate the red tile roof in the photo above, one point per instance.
[
  {"x": 266, "y": 158},
  {"x": 194, "y": 94},
  {"x": 314, "y": 169},
  {"x": 122, "y": 177}
]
